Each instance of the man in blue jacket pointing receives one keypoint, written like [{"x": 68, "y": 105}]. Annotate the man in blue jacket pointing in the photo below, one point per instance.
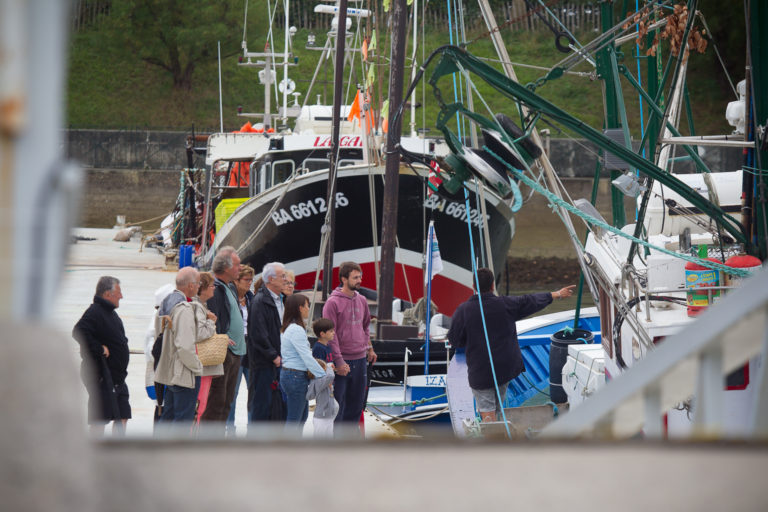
[{"x": 500, "y": 313}]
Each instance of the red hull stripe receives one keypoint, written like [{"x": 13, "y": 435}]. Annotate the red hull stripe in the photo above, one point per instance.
[{"x": 446, "y": 293}]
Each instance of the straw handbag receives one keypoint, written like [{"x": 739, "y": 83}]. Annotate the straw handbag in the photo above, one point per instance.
[{"x": 213, "y": 350}]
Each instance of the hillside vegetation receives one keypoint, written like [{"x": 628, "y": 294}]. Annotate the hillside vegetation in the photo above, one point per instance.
[{"x": 110, "y": 86}]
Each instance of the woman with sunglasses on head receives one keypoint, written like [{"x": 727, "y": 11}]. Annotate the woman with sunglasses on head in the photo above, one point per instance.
[
  {"x": 297, "y": 361},
  {"x": 243, "y": 283}
]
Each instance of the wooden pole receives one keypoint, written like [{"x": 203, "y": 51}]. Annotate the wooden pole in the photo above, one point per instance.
[{"x": 392, "y": 172}]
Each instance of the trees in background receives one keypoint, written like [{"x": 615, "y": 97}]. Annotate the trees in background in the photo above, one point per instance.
[{"x": 175, "y": 35}]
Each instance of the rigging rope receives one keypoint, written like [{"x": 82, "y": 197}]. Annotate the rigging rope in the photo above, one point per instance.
[
  {"x": 398, "y": 418},
  {"x": 482, "y": 318},
  {"x": 405, "y": 404},
  {"x": 597, "y": 222},
  {"x": 256, "y": 232},
  {"x": 557, "y": 20},
  {"x": 717, "y": 52},
  {"x": 508, "y": 23}
]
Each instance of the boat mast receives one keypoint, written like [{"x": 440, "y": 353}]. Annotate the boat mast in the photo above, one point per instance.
[
  {"x": 413, "y": 65},
  {"x": 549, "y": 171},
  {"x": 392, "y": 169},
  {"x": 267, "y": 85},
  {"x": 338, "y": 79}
]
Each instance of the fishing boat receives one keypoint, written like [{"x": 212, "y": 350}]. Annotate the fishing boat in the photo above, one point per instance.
[
  {"x": 268, "y": 191},
  {"x": 650, "y": 277}
]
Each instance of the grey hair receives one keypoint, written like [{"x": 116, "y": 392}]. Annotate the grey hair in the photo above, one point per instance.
[
  {"x": 270, "y": 270},
  {"x": 223, "y": 259},
  {"x": 185, "y": 276},
  {"x": 105, "y": 284}
]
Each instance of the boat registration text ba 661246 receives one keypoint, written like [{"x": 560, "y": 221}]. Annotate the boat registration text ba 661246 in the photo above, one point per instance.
[{"x": 306, "y": 209}]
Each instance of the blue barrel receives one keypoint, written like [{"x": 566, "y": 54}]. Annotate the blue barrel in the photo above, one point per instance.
[
  {"x": 185, "y": 255},
  {"x": 558, "y": 353}
]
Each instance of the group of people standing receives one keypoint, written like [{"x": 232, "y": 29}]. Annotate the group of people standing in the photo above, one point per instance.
[{"x": 266, "y": 325}]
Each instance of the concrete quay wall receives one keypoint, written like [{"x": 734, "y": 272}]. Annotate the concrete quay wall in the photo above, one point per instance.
[
  {"x": 145, "y": 149},
  {"x": 137, "y": 194}
]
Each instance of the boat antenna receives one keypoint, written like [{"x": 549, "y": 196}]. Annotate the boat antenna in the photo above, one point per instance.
[
  {"x": 338, "y": 79},
  {"x": 285, "y": 62},
  {"x": 221, "y": 105}
]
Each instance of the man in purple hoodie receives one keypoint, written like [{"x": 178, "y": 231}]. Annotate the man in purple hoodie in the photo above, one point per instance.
[{"x": 351, "y": 346}]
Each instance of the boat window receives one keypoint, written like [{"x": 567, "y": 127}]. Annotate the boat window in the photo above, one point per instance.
[
  {"x": 255, "y": 175},
  {"x": 347, "y": 163},
  {"x": 263, "y": 178},
  {"x": 315, "y": 164},
  {"x": 220, "y": 174},
  {"x": 282, "y": 170}
]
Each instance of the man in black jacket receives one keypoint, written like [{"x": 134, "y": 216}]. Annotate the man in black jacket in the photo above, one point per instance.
[
  {"x": 229, "y": 321},
  {"x": 500, "y": 314},
  {"x": 104, "y": 352},
  {"x": 264, "y": 320}
]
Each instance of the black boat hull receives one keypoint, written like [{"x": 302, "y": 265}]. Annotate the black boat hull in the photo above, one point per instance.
[{"x": 290, "y": 232}]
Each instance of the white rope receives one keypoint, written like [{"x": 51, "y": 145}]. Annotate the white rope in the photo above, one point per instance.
[{"x": 268, "y": 216}]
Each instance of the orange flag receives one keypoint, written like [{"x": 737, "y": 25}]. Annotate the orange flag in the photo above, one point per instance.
[{"x": 354, "y": 110}]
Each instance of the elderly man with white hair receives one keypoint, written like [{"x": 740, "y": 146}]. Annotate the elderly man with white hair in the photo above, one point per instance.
[
  {"x": 264, "y": 320},
  {"x": 179, "y": 368}
]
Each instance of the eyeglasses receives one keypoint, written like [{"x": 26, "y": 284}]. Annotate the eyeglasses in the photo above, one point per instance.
[{"x": 290, "y": 283}]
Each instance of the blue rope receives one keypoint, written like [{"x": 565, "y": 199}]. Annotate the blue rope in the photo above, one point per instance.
[
  {"x": 450, "y": 40},
  {"x": 482, "y": 317},
  {"x": 480, "y": 233},
  {"x": 640, "y": 96},
  {"x": 517, "y": 195}
]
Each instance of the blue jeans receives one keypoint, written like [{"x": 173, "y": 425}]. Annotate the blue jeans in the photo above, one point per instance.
[
  {"x": 179, "y": 403},
  {"x": 349, "y": 391},
  {"x": 294, "y": 384},
  {"x": 242, "y": 373}
]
